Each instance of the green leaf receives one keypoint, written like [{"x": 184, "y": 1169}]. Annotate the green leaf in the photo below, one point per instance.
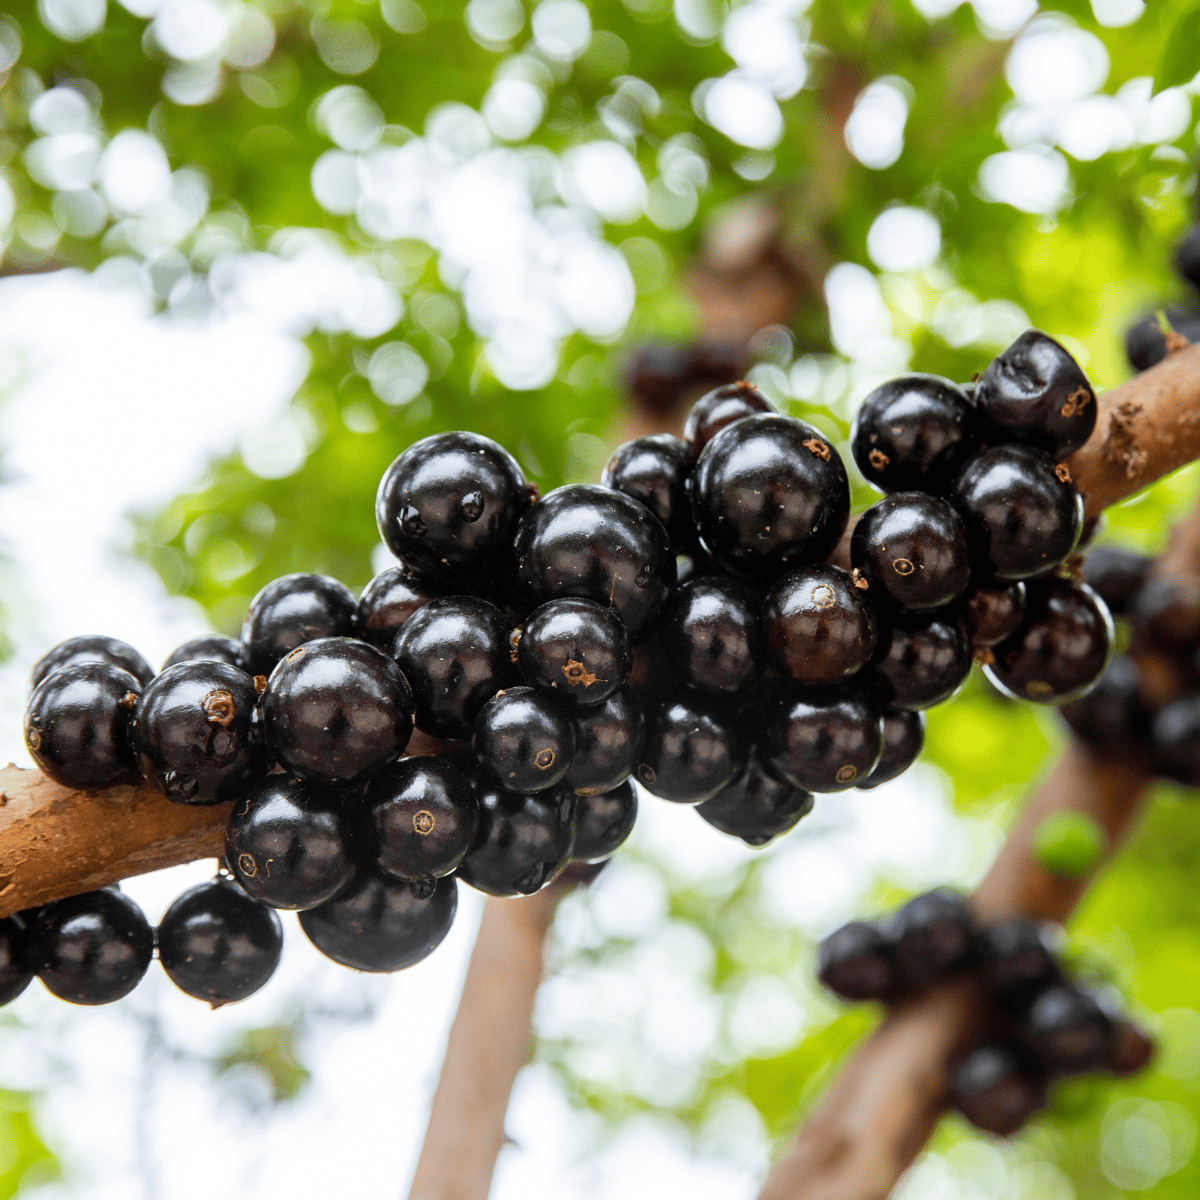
[{"x": 1181, "y": 53}]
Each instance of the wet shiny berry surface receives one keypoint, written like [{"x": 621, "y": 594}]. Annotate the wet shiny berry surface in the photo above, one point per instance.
[
  {"x": 769, "y": 493},
  {"x": 210, "y": 648},
  {"x": 382, "y": 925},
  {"x": 337, "y": 710},
  {"x": 576, "y": 650},
  {"x": 292, "y": 844},
  {"x": 15, "y": 973},
  {"x": 922, "y": 661},
  {"x": 524, "y": 841},
  {"x": 292, "y": 610},
  {"x": 912, "y": 434},
  {"x": 588, "y": 541},
  {"x": 608, "y": 740},
  {"x": 195, "y": 735},
  {"x": 995, "y": 1090},
  {"x": 855, "y": 962},
  {"x": 693, "y": 746},
  {"x": 912, "y": 550},
  {"x": 91, "y": 949},
  {"x": 91, "y": 648},
  {"x": 903, "y": 740},
  {"x": 217, "y": 944},
  {"x": 523, "y": 740},
  {"x": 654, "y": 471},
  {"x": 1116, "y": 574},
  {"x": 387, "y": 602},
  {"x": 711, "y": 635},
  {"x": 756, "y": 807},
  {"x": 932, "y": 937},
  {"x": 719, "y": 408},
  {"x": 78, "y": 724},
  {"x": 1068, "y": 1031},
  {"x": 820, "y": 626},
  {"x": 456, "y": 654},
  {"x": 603, "y": 822},
  {"x": 992, "y": 612}
]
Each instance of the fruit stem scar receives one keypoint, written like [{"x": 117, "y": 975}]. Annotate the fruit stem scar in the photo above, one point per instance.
[
  {"x": 1062, "y": 473},
  {"x": 544, "y": 759},
  {"x": 219, "y": 707},
  {"x": 878, "y": 459},
  {"x": 576, "y": 672},
  {"x": 424, "y": 822},
  {"x": 818, "y": 447},
  {"x": 1077, "y": 401},
  {"x": 902, "y": 566}
]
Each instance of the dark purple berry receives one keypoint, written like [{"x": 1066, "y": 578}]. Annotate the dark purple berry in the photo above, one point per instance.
[
  {"x": 575, "y": 649},
  {"x": 912, "y": 434},
  {"x": 714, "y": 361},
  {"x": 1113, "y": 718},
  {"x": 719, "y": 408},
  {"x": 656, "y": 375},
  {"x": 1145, "y": 345},
  {"x": 769, "y": 494},
  {"x": 77, "y": 724},
  {"x": 654, "y": 471},
  {"x": 922, "y": 660},
  {"x": 756, "y": 806},
  {"x": 1116, "y": 574},
  {"x": 382, "y": 925},
  {"x": 603, "y": 822},
  {"x": 524, "y": 841},
  {"x": 855, "y": 962},
  {"x": 1018, "y": 959},
  {"x": 387, "y": 602},
  {"x": 996, "y": 1091},
  {"x": 523, "y": 740},
  {"x": 711, "y": 635},
  {"x": 1166, "y": 612},
  {"x": 91, "y": 648},
  {"x": 693, "y": 747},
  {"x": 903, "y": 740},
  {"x": 1175, "y": 739},
  {"x": 1187, "y": 257},
  {"x": 15, "y": 972},
  {"x": 931, "y": 938},
  {"x": 217, "y": 944},
  {"x": 1068, "y": 1031},
  {"x": 292, "y": 610},
  {"x": 589, "y": 541},
  {"x": 210, "y": 648},
  {"x": 992, "y": 612},
  {"x": 608, "y": 740}
]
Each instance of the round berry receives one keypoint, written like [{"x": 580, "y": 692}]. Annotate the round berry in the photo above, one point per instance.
[
  {"x": 575, "y": 649},
  {"x": 992, "y": 612},
  {"x": 91, "y": 949},
  {"x": 91, "y": 648},
  {"x": 1068, "y": 1031},
  {"x": 524, "y": 841},
  {"x": 912, "y": 434},
  {"x": 382, "y": 925},
  {"x": 523, "y": 740},
  {"x": 1174, "y": 740},
  {"x": 756, "y": 806},
  {"x": 210, "y": 648},
  {"x": 1022, "y": 512},
  {"x": 337, "y": 710},
  {"x": 714, "y": 361},
  {"x": 77, "y": 724},
  {"x": 603, "y": 822},
  {"x": 769, "y": 493},
  {"x": 922, "y": 660},
  {"x": 1036, "y": 393},
  {"x": 589, "y": 541},
  {"x": 449, "y": 504},
  {"x": 424, "y": 817},
  {"x": 1113, "y": 718},
  {"x": 711, "y": 635},
  {"x": 913, "y": 548},
  {"x": 1145, "y": 345},
  {"x": 994, "y": 1089},
  {"x": 656, "y": 375},
  {"x": 217, "y": 944},
  {"x": 820, "y": 625},
  {"x": 1018, "y": 958},
  {"x": 1116, "y": 574},
  {"x": 1060, "y": 649},
  {"x": 291, "y": 844},
  {"x": 1166, "y": 612},
  {"x": 903, "y": 740},
  {"x": 456, "y": 654},
  {"x": 931, "y": 938},
  {"x": 855, "y": 962},
  {"x": 823, "y": 739},
  {"x": 15, "y": 973},
  {"x": 1187, "y": 257},
  {"x": 196, "y": 736},
  {"x": 693, "y": 747},
  {"x": 292, "y": 610},
  {"x": 654, "y": 471},
  {"x": 719, "y": 408},
  {"x": 608, "y": 740},
  {"x": 387, "y": 602}
]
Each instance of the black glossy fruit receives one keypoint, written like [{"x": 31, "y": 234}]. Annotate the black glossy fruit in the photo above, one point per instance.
[
  {"x": 456, "y": 654},
  {"x": 15, "y": 972},
  {"x": 1113, "y": 718},
  {"x": 524, "y": 841},
  {"x": 1166, "y": 612},
  {"x": 608, "y": 741},
  {"x": 992, "y": 612},
  {"x": 449, "y": 505},
  {"x": 769, "y": 494},
  {"x": 932, "y": 937},
  {"x": 913, "y": 549},
  {"x": 382, "y": 925},
  {"x": 523, "y": 740},
  {"x": 388, "y": 601},
  {"x": 1061, "y": 648},
  {"x": 654, "y": 471},
  {"x": 217, "y": 944},
  {"x": 292, "y": 610},
  {"x": 994, "y": 1089},
  {"x": 820, "y": 625},
  {"x": 424, "y": 818},
  {"x": 903, "y": 740},
  {"x": 196, "y": 737},
  {"x": 913, "y": 433},
  {"x": 603, "y": 822},
  {"x": 1035, "y": 392},
  {"x": 1018, "y": 959},
  {"x": 693, "y": 747},
  {"x": 714, "y": 361},
  {"x": 922, "y": 660},
  {"x": 1068, "y": 1031},
  {"x": 822, "y": 739},
  {"x": 711, "y": 635},
  {"x": 337, "y": 710},
  {"x": 77, "y": 724},
  {"x": 575, "y": 649},
  {"x": 756, "y": 806},
  {"x": 292, "y": 844},
  {"x": 91, "y": 949},
  {"x": 210, "y": 648},
  {"x": 1145, "y": 344},
  {"x": 856, "y": 963},
  {"x": 1175, "y": 740},
  {"x": 1187, "y": 257},
  {"x": 1116, "y": 574},
  {"x": 719, "y": 408},
  {"x": 1022, "y": 512},
  {"x": 589, "y": 541},
  {"x": 657, "y": 374},
  {"x": 91, "y": 648}
]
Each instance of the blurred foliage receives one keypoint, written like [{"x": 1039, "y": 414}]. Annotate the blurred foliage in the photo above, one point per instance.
[
  {"x": 25, "y": 1160},
  {"x": 272, "y": 1051}
]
